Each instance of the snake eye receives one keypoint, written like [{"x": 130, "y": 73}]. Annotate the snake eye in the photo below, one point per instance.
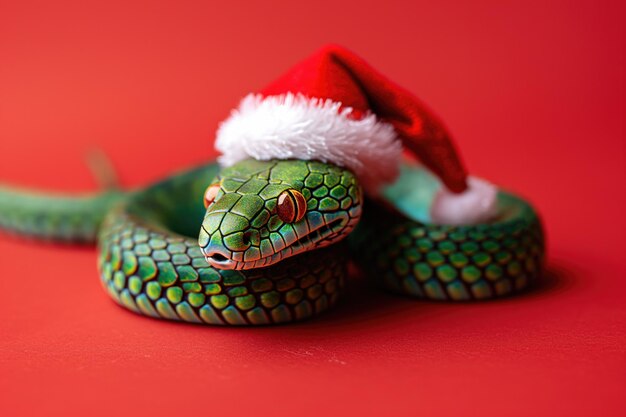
[
  {"x": 291, "y": 206},
  {"x": 210, "y": 194}
]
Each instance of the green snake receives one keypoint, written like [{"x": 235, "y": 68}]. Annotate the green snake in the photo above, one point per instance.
[{"x": 268, "y": 244}]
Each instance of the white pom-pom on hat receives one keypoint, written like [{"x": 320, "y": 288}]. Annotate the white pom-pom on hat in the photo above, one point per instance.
[{"x": 477, "y": 204}]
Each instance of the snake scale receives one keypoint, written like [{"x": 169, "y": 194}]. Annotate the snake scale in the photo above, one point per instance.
[{"x": 269, "y": 246}]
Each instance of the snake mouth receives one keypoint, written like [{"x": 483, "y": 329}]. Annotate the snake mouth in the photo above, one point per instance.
[{"x": 221, "y": 258}]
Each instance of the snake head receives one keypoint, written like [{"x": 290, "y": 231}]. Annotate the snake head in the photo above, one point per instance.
[{"x": 261, "y": 212}]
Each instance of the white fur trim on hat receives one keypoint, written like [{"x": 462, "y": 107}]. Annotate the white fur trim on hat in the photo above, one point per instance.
[
  {"x": 477, "y": 204},
  {"x": 292, "y": 126}
]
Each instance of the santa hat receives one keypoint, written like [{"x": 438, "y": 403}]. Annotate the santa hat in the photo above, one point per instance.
[{"x": 334, "y": 107}]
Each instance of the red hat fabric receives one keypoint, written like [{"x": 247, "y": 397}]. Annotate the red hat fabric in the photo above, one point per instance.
[
  {"x": 338, "y": 74},
  {"x": 334, "y": 107}
]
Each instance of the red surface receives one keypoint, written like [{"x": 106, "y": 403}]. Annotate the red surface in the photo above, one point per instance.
[{"x": 535, "y": 97}]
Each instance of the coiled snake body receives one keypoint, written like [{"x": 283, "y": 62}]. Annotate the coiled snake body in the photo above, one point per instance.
[{"x": 271, "y": 245}]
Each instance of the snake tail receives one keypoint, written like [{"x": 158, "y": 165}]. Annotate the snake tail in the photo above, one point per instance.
[{"x": 54, "y": 217}]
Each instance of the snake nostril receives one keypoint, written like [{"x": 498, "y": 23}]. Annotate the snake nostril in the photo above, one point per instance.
[
  {"x": 246, "y": 238},
  {"x": 218, "y": 257}
]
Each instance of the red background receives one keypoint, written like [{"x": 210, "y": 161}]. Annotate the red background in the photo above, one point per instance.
[{"x": 534, "y": 94}]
